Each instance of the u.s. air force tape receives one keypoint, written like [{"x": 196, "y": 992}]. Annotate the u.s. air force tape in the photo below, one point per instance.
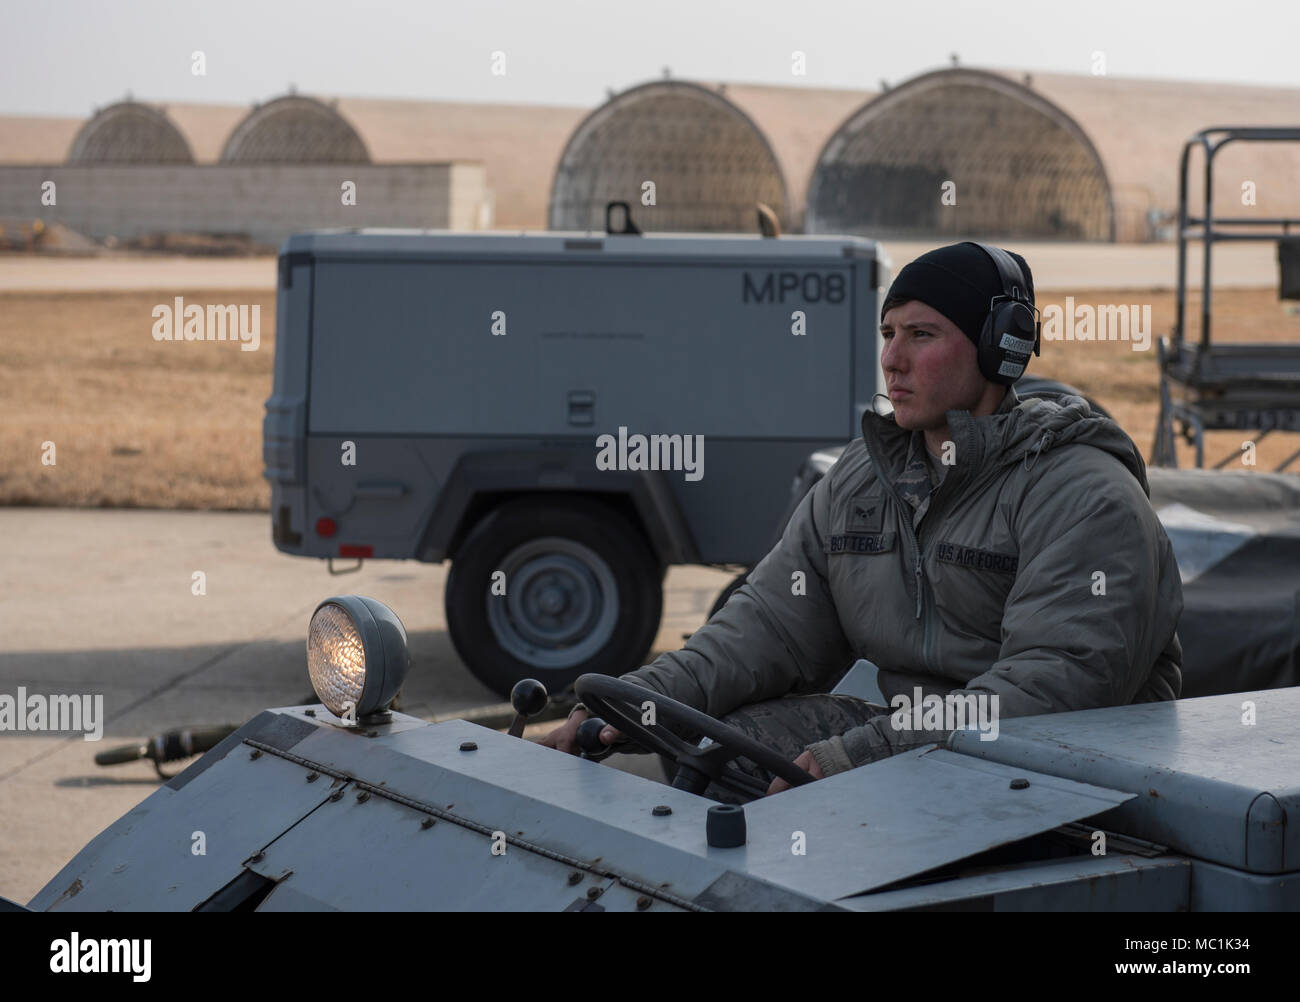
[{"x": 977, "y": 559}]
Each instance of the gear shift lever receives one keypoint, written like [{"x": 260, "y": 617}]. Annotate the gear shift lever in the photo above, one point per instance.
[{"x": 528, "y": 697}]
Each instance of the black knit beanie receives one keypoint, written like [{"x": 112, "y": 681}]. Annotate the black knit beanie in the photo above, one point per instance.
[{"x": 958, "y": 281}]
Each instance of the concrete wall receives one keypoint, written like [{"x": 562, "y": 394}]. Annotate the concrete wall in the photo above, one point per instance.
[{"x": 265, "y": 202}]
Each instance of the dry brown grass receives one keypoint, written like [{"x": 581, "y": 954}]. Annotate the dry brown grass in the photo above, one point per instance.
[
  {"x": 1126, "y": 382},
  {"x": 138, "y": 423},
  {"x": 135, "y": 422}
]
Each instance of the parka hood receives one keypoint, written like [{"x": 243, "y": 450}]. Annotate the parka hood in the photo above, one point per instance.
[{"x": 1020, "y": 430}]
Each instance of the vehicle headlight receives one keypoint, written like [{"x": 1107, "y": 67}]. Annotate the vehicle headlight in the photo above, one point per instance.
[{"x": 357, "y": 657}]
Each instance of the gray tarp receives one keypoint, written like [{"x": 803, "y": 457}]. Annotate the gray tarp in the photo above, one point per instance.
[{"x": 1237, "y": 540}]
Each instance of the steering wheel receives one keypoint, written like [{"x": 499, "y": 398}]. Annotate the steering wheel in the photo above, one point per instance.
[{"x": 619, "y": 703}]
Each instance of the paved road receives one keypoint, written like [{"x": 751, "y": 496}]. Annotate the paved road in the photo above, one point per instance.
[
  {"x": 100, "y": 602},
  {"x": 1056, "y": 266}
]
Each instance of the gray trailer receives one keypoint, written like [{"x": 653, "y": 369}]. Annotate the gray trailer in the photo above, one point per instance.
[{"x": 560, "y": 415}]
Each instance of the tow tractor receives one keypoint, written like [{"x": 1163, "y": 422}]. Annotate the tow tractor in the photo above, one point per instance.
[{"x": 345, "y": 804}]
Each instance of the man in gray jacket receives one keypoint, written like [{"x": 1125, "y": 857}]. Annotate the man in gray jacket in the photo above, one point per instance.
[{"x": 969, "y": 543}]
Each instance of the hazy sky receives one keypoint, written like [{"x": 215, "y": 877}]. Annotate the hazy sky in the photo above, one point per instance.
[{"x": 65, "y": 57}]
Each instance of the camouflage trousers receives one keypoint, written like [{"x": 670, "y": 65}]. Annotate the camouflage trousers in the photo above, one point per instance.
[{"x": 787, "y": 725}]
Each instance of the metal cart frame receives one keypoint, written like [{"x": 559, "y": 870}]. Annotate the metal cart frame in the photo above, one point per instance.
[{"x": 1248, "y": 386}]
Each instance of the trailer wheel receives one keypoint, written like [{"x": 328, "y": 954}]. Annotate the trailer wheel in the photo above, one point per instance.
[{"x": 551, "y": 589}]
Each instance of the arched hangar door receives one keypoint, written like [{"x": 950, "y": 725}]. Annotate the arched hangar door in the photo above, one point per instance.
[
  {"x": 961, "y": 153},
  {"x": 710, "y": 164}
]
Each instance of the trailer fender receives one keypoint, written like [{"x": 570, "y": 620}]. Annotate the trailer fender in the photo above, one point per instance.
[{"x": 482, "y": 480}]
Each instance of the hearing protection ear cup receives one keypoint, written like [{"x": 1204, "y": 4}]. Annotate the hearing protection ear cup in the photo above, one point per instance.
[
  {"x": 1012, "y": 330},
  {"x": 1009, "y": 336}
]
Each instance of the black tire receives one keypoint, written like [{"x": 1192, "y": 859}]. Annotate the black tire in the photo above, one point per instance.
[
  {"x": 727, "y": 592},
  {"x": 583, "y": 594}
]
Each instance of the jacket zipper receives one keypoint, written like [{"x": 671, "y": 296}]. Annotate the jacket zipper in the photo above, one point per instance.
[{"x": 923, "y": 611}]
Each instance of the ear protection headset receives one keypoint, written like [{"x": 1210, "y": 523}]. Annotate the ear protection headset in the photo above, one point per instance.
[{"x": 1013, "y": 327}]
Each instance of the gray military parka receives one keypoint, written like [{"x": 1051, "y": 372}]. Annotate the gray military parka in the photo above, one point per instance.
[{"x": 1038, "y": 572}]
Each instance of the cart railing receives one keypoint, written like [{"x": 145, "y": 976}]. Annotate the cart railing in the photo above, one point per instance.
[{"x": 1223, "y": 386}]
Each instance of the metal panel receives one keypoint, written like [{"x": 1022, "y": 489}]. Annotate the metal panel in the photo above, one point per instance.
[
  {"x": 445, "y": 244},
  {"x": 406, "y": 348},
  {"x": 725, "y": 530},
  {"x": 145, "y": 862},
  {"x": 376, "y": 855},
  {"x": 959, "y": 806},
  {"x": 285, "y": 422},
  {"x": 900, "y": 817},
  {"x": 860, "y": 681},
  {"x": 1082, "y": 883},
  {"x": 1222, "y": 889},
  {"x": 1208, "y": 784},
  {"x": 733, "y": 512},
  {"x": 596, "y": 816},
  {"x": 941, "y": 808},
  {"x": 560, "y": 815},
  {"x": 871, "y": 280},
  {"x": 284, "y": 898}
]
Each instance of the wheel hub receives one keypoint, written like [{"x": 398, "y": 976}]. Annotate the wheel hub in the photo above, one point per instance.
[{"x": 560, "y": 606}]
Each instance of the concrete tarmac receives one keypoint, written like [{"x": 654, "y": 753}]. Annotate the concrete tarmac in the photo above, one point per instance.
[{"x": 102, "y": 602}]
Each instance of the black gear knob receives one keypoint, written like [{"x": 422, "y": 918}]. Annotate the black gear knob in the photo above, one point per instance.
[
  {"x": 528, "y": 698},
  {"x": 588, "y": 738}
]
